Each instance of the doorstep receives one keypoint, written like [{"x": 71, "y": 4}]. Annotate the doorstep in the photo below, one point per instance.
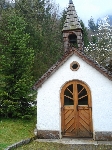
[{"x": 76, "y": 141}]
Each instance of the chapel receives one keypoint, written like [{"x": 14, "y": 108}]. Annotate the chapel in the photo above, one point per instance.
[{"x": 74, "y": 97}]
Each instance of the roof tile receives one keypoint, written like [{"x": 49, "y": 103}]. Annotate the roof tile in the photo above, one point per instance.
[{"x": 72, "y": 21}]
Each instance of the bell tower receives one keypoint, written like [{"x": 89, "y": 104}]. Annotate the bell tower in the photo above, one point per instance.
[{"x": 72, "y": 30}]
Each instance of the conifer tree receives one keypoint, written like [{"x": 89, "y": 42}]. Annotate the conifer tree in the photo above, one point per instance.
[
  {"x": 16, "y": 67},
  {"x": 85, "y": 34}
]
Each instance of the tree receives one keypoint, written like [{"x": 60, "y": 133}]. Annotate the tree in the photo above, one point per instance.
[
  {"x": 2, "y": 5},
  {"x": 16, "y": 67},
  {"x": 92, "y": 31},
  {"x": 92, "y": 26},
  {"x": 63, "y": 18},
  {"x": 109, "y": 67},
  {"x": 38, "y": 23},
  {"x": 85, "y": 34},
  {"x": 101, "y": 50},
  {"x": 43, "y": 25}
]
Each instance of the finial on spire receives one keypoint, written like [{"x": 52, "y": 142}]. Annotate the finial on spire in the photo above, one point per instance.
[{"x": 70, "y": 2}]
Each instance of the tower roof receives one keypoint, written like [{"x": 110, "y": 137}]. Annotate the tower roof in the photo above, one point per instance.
[
  {"x": 70, "y": 2},
  {"x": 71, "y": 22}
]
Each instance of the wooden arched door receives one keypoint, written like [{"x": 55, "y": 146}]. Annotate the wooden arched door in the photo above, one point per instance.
[{"x": 76, "y": 115}]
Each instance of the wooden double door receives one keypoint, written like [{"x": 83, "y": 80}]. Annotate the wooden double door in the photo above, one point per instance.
[{"x": 76, "y": 110}]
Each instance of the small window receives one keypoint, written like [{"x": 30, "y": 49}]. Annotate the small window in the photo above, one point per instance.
[
  {"x": 72, "y": 38},
  {"x": 74, "y": 66},
  {"x": 68, "y": 95},
  {"x": 82, "y": 95}
]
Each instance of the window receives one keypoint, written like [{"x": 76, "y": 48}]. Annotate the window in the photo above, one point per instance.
[
  {"x": 68, "y": 95},
  {"x": 74, "y": 66},
  {"x": 82, "y": 95},
  {"x": 72, "y": 39}
]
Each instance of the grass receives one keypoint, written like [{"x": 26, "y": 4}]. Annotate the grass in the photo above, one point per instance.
[
  {"x": 14, "y": 130},
  {"x": 42, "y": 146},
  {"x": 57, "y": 146}
]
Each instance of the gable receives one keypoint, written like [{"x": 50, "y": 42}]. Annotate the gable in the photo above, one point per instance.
[
  {"x": 85, "y": 73},
  {"x": 72, "y": 53}
]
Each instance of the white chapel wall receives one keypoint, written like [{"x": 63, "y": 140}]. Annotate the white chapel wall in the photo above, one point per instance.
[{"x": 48, "y": 98}]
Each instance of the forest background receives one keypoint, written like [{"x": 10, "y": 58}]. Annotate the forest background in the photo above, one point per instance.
[{"x": 31, "y": 42}]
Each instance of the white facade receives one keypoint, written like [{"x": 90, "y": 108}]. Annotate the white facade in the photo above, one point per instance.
[{"x": 48, "y": 97}]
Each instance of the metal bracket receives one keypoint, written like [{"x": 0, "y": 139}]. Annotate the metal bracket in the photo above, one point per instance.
[
  {"x": 62, "y": 132},
  {"x": 62, "y": 108},
  {"x": 89, "y": 107}
]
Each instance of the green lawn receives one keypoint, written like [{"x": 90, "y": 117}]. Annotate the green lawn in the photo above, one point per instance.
[
  {"x": 14, "y": 130},
  {"x": 56, "y": 146},
  {"x": 42, "y": 146}
]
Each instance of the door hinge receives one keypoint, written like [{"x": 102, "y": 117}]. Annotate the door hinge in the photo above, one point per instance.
[
  {"x": 62, "y": 108},
  {"x": 62, "y": 132},
  {"x": 89, "y": 107}
]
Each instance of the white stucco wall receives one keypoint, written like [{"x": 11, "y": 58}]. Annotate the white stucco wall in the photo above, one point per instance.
[{"x": 48, "y": 99}]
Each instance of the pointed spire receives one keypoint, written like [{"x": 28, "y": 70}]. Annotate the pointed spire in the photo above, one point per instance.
[
  {"x": 70, "y": 2},
  {"x": 72, "y": 21},
  {"x": 72, "y": 30}
]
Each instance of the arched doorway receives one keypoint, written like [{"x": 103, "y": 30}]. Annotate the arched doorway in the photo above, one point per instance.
[{"x": 76, "y": 114}]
